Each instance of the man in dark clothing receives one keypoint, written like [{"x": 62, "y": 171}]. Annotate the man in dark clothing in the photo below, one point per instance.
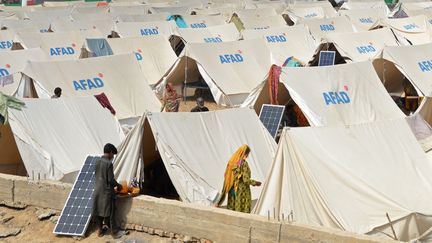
[
  {"x": 200, "y": 106},
  {"x": 104, "y": 194}
]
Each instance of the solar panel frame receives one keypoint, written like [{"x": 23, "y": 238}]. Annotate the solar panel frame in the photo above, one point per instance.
[
  {"x": 88, "y": 164},
  {"x": 267, "y": 108},
  {"x": 326, "y": 58}
]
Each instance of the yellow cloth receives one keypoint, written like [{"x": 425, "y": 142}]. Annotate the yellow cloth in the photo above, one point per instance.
[{"x": 229, "y": 173}]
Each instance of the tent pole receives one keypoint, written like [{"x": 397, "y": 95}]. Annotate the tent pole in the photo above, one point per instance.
[
  {"x": 391, "y": 226},
  {"x": 186, "y": 71}
]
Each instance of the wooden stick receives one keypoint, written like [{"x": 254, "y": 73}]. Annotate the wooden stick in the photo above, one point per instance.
[{"x": 391, "y": 226}]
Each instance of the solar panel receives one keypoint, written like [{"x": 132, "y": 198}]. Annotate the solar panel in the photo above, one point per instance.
[
  {"x": 271, "y": 116},
  {"x": 77, "y": 211},
  {"x": 326, "y": 58}
]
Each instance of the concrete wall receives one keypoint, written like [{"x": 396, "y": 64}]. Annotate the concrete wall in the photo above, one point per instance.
[{"x": 215, "y": 224}]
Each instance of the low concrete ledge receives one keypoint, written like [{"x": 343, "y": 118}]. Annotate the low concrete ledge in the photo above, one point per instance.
[{"x": 218, "y": 225}]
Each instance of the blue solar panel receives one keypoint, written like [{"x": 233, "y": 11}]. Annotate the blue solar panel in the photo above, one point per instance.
[
  {"x": 271, "y": 116},
  {"x": 326, "y": 58},
  {"x": 77, "y": 211}
]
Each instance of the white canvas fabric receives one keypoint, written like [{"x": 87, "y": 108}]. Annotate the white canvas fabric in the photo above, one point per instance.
[
  {"x": 90, "y": 9},
  {"x": 256, "y": 12},
  {"x": 155, "y": 17},
  {"x": 367, "y": 5},
  {"x": 13, "y": 62},
  {"x": 263, "y": 22},
  {"x": 154, "y": 54},
  {"x": 328, "y": 10},
  {"x": 130, "y": 9},
  {"x": 411, "y": 30},
  {"x": 200, "y": 22},
  {"x": 231, "y": 69},
  {"x": 57, "y": 45},
  {"x": 417, "y": 8},
  {"x": 225, "y": 11},
  {"x": 25, "y": 25},
  {"x": 104, "y": 26},
  {"x": 48, "y": 14},
  {"x": 363, "y": 20},
  {"x": 415, "y": 62},
  {"x": 54, "y": 136},
  {"x": 284, "y": 42},
  {"x": 362, "y": 46},
  {"x": 119, "y": 77},
  {"x": 319, "y": 28},
  {"x": 340, "y": 95},
  {"x": 6, "y": 40},
  {"x": 349, "y": 177},
  {"x": 297, "y": 14},
  {"x": 198, "y": 177},
  {"x": 137, "y": 29},
  {"x": 213, "y": 34}
]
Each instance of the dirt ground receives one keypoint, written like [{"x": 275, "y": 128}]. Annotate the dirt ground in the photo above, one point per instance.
[{"x": 33, "y": 230}]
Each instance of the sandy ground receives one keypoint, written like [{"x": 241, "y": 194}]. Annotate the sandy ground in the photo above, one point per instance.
[{"x": 33, "y": 230}]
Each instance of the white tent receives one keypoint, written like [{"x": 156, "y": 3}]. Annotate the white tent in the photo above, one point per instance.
[
  {"x": 13, "y": 62},
  {"x": 263, "y": 22},
  {"x": 54, "y": 136},
  {"x": 154, "y": 54},
  {"x": 155, "y": 17},
  {"x": 119, "y": 77},
  {"x": 304, "y": 10},
  {"x": 197, "y": 177},
  {"x": 417, "y": 8},
  {"x": 135, "y": 9},
  {"x": 284, "y": 42},
  {"x": 350, "y": 177},
  {"x": 62, "y": 25},
  {"x": 362, "y": 46},
  {"x": 59, "y": 45},
  {"x": 200, "y": 21},
  {"x": 6, "y": 39},
  {"x": 137, "y": 29},
  {"x": 381, "y": 6},
  {"x": 19, "y": 25},
  {"x": 415, "y": 62},
  {"x": 412, "y": 30},
  {"x": 48, "y": 14},
  {"x": 363, "y": 20},
  {"x": 336, "y": 95},
  {"x": 231, "y": 69},
  {"x": 319, "y": 28},
  {"x": 256, "y": 12},
  {"x": 218, "y": 33}
]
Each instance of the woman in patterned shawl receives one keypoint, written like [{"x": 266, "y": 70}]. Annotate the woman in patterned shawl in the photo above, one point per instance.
[
  {"x": 171, "y": 100},
  {"x": 238, "y": 181}
]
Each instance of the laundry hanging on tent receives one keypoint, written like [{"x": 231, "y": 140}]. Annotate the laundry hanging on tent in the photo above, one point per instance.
[
  {"x": 273, "y": 79},
  {"x": 292, "y": 62},
  {"x": 99, "y": 47},
  {"x": 7, "y": 102},
  {"x": 180, "y": 22},
  {"x": 104, "y": 101}
]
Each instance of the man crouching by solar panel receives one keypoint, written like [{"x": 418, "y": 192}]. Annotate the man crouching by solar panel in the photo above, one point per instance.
[{"x": 104, "y": 194}]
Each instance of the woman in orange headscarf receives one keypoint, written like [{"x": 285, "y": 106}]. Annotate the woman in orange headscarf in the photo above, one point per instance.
[
  {"x": 238, "y": 181},
  {"x": 171, "y": 100}
]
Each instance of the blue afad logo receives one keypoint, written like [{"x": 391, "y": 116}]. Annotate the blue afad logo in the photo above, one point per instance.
[
  {"x": 327, "y": 27},
  {"x": 425, "y": 66},
  {"x": 333, "y": 98},
  {"x": 4, "y": 72},
  {"x": 198, "y": 25},
  {"x": 310, "y": 15},
  {"x": 61, "y": 51},
  {"x": 410, "y": 26},
  {"x": 366, "y": 20},
  {"x": 230, "y": 58},
  {"x": 138, "y": 56},
  {"x": 366, "y": 49},
  {"x": 153, "y": 31},
  {"x": 87, "y": 84},
  {"x": 5, "y": 44},
  {"x": 276, "y": 38},
  {"x": 212, "y": 40}
]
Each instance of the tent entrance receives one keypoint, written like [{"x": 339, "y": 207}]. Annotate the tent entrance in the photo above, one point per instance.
[{"x": 10, "y": 158}]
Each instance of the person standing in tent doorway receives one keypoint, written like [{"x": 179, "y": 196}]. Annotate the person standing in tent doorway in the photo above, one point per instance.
[
  {"x": 171, "y": 100},
  {"x": 238, "y": 181},
  {"x": 200, "y": 107},
  {"x": 57, "y": 93},
  {"x": 104, "y": 193}
]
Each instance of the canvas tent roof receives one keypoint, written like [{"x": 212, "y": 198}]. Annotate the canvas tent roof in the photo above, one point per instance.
[
  {"x": 58, "y": 45},
  {"x": 231, "y": 69},
  {"x": 263, "y": 22},
  {"x": 349, "y": 177},
  {"x": 414, "y": 29},
  {"x": 47, "y": 14},
  {"x": 197, "y": 177},
  {"x": 13, "y": 62},
  {"x": 56, "y": 147},
  {"x": 61, "y": 25},
  {"x": 218, "y": 33},
  {"x": 137, "y": 29},
  {"x": 417, "y": 8},
  {"x": 154, "y": 54},
  {"x": 363, "y": 20},
  {"x": 200, "y": 21},
  {"x": 255, "y": 12},
  {"x": 319, "y": 28},
  {"x": 362, "y": 46},
  {"x": 328, "y": 10},
  {"x": 285, "y": 42},
  {"x": 25, "y": 25},
  {"x": 155, "y": 17},
  {"x": 119, "y": 77},
  {"x": 6, "y": 39},
  {"x": 367, "y": 5},
  {"x": 415, "y": 62},
  {"x": 298, "y": 14},
  {"x": 130, "y": 9}
]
